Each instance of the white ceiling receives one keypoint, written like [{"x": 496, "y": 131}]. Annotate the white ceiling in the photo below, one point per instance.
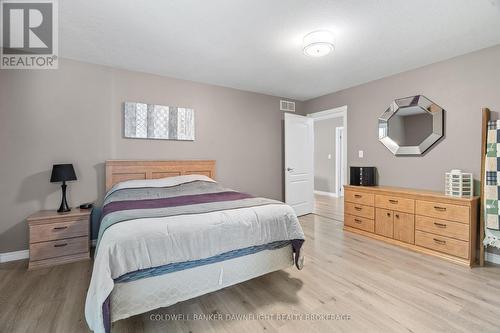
[{"x": 256, "y": 45}]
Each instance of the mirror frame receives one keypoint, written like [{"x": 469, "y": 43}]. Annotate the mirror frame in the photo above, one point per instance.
[{"x": 426, "y": 105}]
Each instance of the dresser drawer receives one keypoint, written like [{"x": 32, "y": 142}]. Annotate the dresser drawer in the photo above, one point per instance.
[
  {"x": 359, "y": 210},
  {"x": 60, "y": 230},
  {"x": 443, "y": 227},
  {"x": 443, "y": 211},
  {"x": 447, "y": 245},
  {"x": 361, "y": 198},
  {"x": 359, "y": 223},
  {"x": 59, "y": 248},
  {"x": 395, "y": 203}
]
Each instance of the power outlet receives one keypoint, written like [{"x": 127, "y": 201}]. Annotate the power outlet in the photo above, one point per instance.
[{"x": 361, "y": 153}]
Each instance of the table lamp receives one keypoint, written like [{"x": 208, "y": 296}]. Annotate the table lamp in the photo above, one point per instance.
[{"x": 63, "y": 173}]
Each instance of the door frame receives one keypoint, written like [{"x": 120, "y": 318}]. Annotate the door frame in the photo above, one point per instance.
[
  {"x": 339, "y": 112},
  {"x": 339, "y": 139}
]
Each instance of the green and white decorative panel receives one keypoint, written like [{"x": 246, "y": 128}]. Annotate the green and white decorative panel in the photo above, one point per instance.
[{"x": 492, "y": 177}]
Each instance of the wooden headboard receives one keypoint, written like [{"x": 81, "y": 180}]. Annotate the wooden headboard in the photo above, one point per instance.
[{"x": 121, "y": 170}]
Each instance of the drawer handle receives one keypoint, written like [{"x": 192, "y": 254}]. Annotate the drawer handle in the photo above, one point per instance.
[
  {"x": 60, "y": 228},
  {"x": 440, "y": 225},
  {"x": 358, "y": 221},
  {"x": 439, "y": 241},
  {"x": 397, "y": 216},
  {"x": 358, "y": 196},
  {"x": 389, "y": 214},
  {"x": 442, "y": 209},
  {"x": 358, "y": 208},
  {"x": 393, "y": 201},
  {"x": 60, "y": 245}
]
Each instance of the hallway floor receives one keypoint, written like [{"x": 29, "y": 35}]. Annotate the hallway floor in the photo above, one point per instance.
[{"x": 330, "y": 207}]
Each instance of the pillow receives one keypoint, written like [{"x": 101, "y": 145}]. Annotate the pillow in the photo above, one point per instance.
[{"x": 160, "y": 182}]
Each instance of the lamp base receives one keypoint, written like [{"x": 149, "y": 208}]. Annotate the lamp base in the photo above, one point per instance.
[{"x": 64, "y": 208}]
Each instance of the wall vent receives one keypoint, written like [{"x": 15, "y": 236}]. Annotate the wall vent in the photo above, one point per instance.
[{"x": 287, "y": 106}]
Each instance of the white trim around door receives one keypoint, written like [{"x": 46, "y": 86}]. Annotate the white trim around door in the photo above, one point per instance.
[
  {"x": 340, "y": 112},
  {"x": 339, "y": 159}
]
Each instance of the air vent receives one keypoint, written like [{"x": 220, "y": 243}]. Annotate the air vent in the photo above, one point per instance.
[{"x": 287, "y": 106}]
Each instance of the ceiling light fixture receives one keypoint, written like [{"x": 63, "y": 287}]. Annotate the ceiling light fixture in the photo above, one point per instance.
[{"x": 318, "y": 43}]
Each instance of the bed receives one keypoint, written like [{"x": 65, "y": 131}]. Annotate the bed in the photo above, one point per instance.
[{"x": 169, "y": 232}]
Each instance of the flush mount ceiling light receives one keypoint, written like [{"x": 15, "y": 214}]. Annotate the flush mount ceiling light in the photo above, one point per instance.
[{"x": 318, "y": 43}]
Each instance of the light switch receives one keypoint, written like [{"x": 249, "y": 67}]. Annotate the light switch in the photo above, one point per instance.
[
  {"x": 360, "y": 154},
  {"x": 329, "y": 156}
]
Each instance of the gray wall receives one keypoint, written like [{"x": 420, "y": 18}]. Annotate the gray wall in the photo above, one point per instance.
[
  {"x": 462, "y": 86},
  {"x": 74, "y": 115},
  {"x": 324, "y": 144},
  {"x": 416, "y": 128}
]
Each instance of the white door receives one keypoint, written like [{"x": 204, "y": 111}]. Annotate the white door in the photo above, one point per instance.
[{"x": 299, "y": 163}]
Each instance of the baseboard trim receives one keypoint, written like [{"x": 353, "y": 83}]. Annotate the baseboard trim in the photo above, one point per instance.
[
  {"x": 25, "y": 254},
  {"x": 12, "y": 256},
  {"x": 492, "y": 257},
  {"x": 330, "y": 194}
]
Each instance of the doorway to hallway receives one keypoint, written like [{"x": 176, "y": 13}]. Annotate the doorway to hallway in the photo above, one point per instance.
[{"x": 329, "y": 161}]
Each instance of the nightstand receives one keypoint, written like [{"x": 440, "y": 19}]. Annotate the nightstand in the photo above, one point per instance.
[{"x": 58, "y": 238}]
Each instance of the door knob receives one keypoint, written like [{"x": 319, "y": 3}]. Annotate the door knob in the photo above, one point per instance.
[{"x": 289, "y": 169}]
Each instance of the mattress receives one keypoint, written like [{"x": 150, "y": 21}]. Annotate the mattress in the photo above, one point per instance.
[{"x": 143, "y": 295}]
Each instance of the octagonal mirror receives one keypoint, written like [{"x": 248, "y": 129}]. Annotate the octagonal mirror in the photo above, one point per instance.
[{"x": 411, "y": 125}]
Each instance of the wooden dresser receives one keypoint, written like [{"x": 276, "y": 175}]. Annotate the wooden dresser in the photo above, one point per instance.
[
  {"x": 58, "y": 238},
  {"x": 424, "y": 221}
]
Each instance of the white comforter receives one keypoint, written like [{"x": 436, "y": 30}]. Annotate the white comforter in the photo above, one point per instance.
[{"x": 138, "y": 244}]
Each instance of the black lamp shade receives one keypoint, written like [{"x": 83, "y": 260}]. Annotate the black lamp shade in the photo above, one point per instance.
[{"x": 62, "y": 173}]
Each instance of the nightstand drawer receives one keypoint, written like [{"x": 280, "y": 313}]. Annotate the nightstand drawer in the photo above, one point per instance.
[
  {"x": 59, "y": 230},
  {"x": 59, "y": 248}
]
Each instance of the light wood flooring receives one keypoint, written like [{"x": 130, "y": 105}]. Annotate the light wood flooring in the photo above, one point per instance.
[
  {"x": 382, "y": 288},
  {"x": 330, "y": 207}
]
